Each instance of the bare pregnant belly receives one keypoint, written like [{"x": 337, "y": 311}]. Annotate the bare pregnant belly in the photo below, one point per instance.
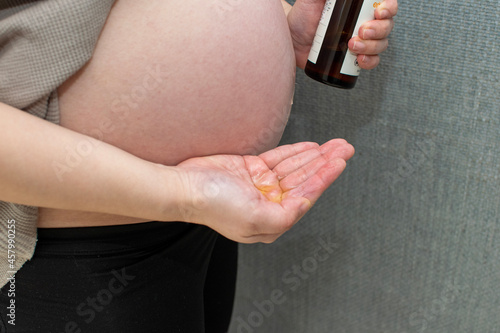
[{"x": 170, "y": 80}]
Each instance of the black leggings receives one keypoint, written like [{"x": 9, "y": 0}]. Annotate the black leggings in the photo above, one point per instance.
[{"x": 148, "y": 277}]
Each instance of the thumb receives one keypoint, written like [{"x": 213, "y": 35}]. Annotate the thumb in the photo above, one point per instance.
[{"x": 296, "y": 207}]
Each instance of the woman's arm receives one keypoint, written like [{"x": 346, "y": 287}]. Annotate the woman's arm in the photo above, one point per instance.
[
  {"x": 245, "y": 198},
  {"x": 46, "y": 165}
]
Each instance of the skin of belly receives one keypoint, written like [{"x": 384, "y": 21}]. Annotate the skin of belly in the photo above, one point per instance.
[{"x": 170, "y": 80}]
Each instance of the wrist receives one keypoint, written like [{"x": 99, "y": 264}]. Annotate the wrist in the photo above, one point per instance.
[
  {"x": 172, "y": 200},
  {"x": 192, "y": 199}
]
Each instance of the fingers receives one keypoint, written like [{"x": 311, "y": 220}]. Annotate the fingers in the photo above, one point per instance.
[
  {"x": 298, "y": 169},
  {"x": 296, "y": 162},
  {"x": 387, "y": 9},
  {"x": 302, "y": 174},
  {"x": 345, "y": 149},
  {"x": 368, "y": 47},
  {"x": 368, "y": 61},
  {"x": 263, "y": 238},
  {"x": 376, "y": 29},
  {"x": 372, "y": 39},
  {"x": 305, "y": 171},
  {"x": 381, "y": 27},
  {"x": 333, "y": 148},
  {"x": 302, "y": 189},
  {"x": 313, "y": 179},
  {"x": 274, "y": 156}
]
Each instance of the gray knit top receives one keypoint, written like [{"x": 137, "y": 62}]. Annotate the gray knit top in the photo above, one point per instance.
[{"x": 42, "y": 43}]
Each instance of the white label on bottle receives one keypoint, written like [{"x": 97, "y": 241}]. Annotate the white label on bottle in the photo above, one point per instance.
[
  {"x": 321, "y": 31},
  {"x": 367, "y": 13}
]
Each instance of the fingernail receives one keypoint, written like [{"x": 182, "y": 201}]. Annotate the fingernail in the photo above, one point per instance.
[
  {"x": 368, "y": 34},
  {"x": 358, "y": 47},
  {"x": 384, "y": 13}
]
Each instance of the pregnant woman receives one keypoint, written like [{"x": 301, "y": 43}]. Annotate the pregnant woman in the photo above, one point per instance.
[{"x": 166, "y": 140}]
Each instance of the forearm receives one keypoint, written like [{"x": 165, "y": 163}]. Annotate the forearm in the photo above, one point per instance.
[{"x": 46, "y": 165}]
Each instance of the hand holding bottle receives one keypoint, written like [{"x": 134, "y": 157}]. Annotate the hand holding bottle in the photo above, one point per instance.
[{"x": 303, "y": 20}]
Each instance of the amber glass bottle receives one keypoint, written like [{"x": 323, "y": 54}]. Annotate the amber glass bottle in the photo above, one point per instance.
[{"x": 330, "y": 60}]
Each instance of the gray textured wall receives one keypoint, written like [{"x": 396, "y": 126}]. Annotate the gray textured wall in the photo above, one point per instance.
[{"x": 409, "y": 236}]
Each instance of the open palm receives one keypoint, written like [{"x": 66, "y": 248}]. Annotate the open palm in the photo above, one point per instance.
[{"x": 257, "y": 198}]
